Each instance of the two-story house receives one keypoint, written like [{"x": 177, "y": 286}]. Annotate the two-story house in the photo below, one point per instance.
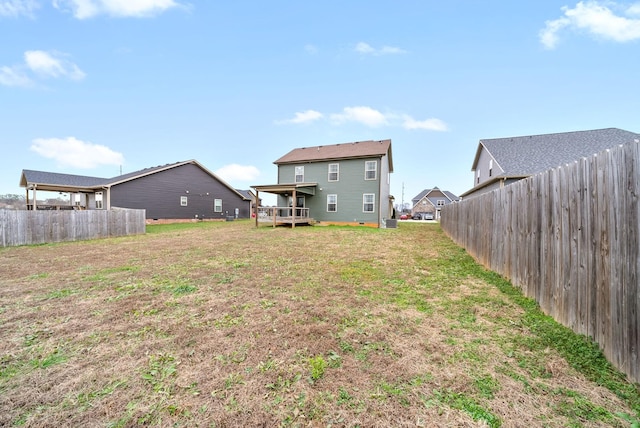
[
  {"x": 428, "y": 203},
  {"x": 501, "y": 161},
  {"x": 343, "y": 184}
]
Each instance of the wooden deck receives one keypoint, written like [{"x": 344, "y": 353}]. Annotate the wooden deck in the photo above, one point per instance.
[{"x": 283, "y": 216}]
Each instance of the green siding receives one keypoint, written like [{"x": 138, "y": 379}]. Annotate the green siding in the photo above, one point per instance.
[{"x": 350, "y": 189}]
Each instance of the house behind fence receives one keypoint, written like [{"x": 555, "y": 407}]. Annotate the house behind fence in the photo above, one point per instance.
[
  {"x": 569, "y": 238},
  {"x": 20, "y": 227}
]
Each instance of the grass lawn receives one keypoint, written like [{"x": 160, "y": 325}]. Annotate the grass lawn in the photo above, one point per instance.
[{"x": 224, "y": 325}]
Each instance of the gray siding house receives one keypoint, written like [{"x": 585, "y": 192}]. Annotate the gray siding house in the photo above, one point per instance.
[
  {"x": 501, "y": 161},
  {"x": 430, "y": 201},
  {"x": 343, "y": 184},
  {"x": 179, "y": 191}
]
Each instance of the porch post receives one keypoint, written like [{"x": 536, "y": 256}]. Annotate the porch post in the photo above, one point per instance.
[
  {"x": 294, "y": 206},
  {"x": 255, "y": 205}
]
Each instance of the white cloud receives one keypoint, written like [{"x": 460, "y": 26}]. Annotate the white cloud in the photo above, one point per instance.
[
  {"x": 18, "y": 7},
  {"x": 361, "y": 114},
  {"x": 303, "y": 117},
  {"x": 235, "y": 172},
  {"x": 13, "y": 76},
  {"x": 51, "y": 64},
  {"x": 83, "y": 9},
  {"x": 370, "y": 117},
  {"x": 596, "y": 18},
  {"x": 431, "y": 124},
  {"x": 76, "y": 153},
  {"x": 366, "y": 49}
]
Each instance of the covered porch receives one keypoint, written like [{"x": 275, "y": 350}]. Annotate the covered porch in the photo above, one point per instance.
[{"x": 287, "y": 215}]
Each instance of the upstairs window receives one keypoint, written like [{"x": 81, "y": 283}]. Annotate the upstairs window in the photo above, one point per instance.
[
  {"x": 490, "y": 167},
  {"x": 334, "y": 170},
  {"x": 217, "y": 205},
  {"x": 370, "y": 170},
  {"x": 368, "y": 202},
  {"x": 440, "y": 202},
  {"x": 299, "y": 174},
  {"x": 478, "y": 179},
  {"x": 332, "y": 203}
]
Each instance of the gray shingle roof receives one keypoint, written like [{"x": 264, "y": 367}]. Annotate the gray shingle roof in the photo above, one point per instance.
[
  {"x": 43, "y": 177},
  {"x": 422, "y": 194},
  {"x": 531, "y": 154}
]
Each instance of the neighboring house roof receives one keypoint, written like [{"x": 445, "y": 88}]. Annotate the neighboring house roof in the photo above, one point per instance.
[
  {"x": 69, "y": 182},
  {"x": 426, "y": 192},
  {"x": 358, "y": 149},
  {"x": 521, "y": 157},
  {"x": 246, "y": 193},
  {"x": 528, "y": 155},
  {"x": 30, "y": 177}
]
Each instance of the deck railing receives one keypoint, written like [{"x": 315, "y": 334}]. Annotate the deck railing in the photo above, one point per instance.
[{"x": 283, "y": 215}]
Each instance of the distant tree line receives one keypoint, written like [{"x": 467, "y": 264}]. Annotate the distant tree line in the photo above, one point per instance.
[{"x": 19, "y": 202}]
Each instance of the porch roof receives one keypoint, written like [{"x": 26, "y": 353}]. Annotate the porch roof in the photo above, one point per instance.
[{"x": 287, "y": 188}]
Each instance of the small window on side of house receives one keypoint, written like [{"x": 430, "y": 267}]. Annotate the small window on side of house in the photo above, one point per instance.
[
  {"x": 332, "y": 203},
  {"x": 183, "y": 201},
  {"x": 478, "y": 179},
  {"x": 490, "y": 167},
  {"x": 440, "y": 202},
  {"x": 334, "y": 172},
  {"x": 217, "y": 205},
  {"x": 98, "y": 200},
  {"x": 370, "y": 170},
  {"x": 299, "y": 178},
  {"x": 368, "y": 202}
]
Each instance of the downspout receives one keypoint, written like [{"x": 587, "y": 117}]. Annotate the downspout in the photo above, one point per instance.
[{"x": 380, "y": 196}]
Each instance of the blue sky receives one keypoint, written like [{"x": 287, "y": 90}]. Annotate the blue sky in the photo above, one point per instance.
[{"x": 96, "y": 87}]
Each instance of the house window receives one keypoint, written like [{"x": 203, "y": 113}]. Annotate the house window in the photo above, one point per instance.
[
  {"x": 370, "y": 168},
  {"x": 440, "y": 202},
  {"x": 490, "y": 167},
  {"x": 76, "y": 199},
  {"x": 332, "y": 203},
  {"x": 217, "y": 205},
  {"x": 183, "y": 201},
  {"x": 478, "y": 179},
  {"x": 334, "y": 170},
  {"x": 98, "y": 200},
  {"x": 368, "y": 201},
  {"x": 299, "y": 174}
]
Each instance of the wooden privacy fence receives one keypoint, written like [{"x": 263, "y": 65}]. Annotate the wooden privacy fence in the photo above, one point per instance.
[
  {"x": 568, "y": 237},
  {"x": 39, "y": 227}
]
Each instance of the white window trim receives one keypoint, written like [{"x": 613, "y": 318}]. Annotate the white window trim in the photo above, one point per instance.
[
  {"x": 441, "y": 202},
  {"x": 217, "y": 208},
  {"x": 373, "y": 203},
  {"x": 184, "y": 201},
  {"x": 335, "y": 203},
  {"x": 375, "y": 170},
  {"x": 295, "y": 174},
  {"x": 98, "y": 197},
  {"x": 336, "y": 172}
]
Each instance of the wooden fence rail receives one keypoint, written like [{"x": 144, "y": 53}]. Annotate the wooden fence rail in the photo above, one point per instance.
[
  {"x": 20, "y": 227},
  {"x": 568, "y": 237}
]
